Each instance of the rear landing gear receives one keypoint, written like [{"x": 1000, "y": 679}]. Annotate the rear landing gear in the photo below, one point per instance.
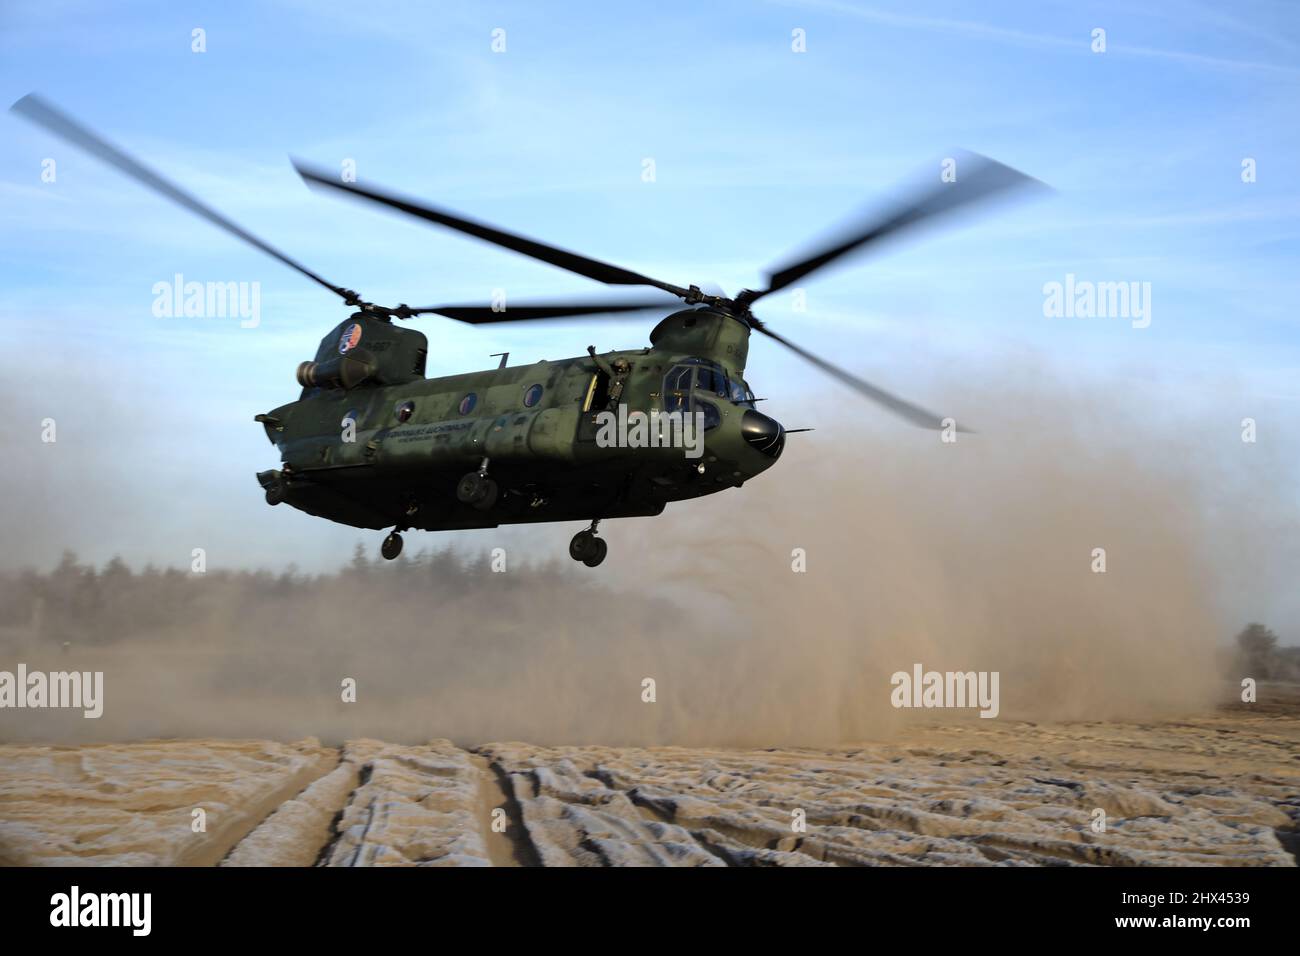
[
  {"x": 392, "y": 546},
  {"x": 588, "y": 548},
  {"x": 477, "y": 489}
]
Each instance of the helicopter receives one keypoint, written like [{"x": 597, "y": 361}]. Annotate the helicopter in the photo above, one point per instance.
[{"x": 373, "y": 443}]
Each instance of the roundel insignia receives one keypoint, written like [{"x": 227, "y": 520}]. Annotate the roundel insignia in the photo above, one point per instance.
[{"x": 350, "y": 337}]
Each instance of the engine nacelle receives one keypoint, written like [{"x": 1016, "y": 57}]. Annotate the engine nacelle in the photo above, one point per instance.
[{"x": 343, "y": 371}]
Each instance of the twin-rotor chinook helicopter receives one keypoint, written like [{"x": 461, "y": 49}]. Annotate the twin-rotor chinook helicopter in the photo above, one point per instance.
[{"x": 371, "y": 442}]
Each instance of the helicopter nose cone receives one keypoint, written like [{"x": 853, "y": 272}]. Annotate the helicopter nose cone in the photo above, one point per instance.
[{"x": 763, "y": 434}]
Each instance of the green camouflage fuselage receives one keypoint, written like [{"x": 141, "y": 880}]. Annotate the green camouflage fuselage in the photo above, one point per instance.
[{"x": 413, "y": 438}]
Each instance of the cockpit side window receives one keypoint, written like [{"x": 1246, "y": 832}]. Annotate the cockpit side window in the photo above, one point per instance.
[
  {"x": 677, "y": 388},
  {"x": 700, "y": 375}
]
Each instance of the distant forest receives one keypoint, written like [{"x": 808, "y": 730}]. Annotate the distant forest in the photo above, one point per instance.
[{"x": 79, "y": 603}]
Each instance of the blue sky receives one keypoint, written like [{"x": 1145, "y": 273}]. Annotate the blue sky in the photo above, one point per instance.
[{"x": 757, "y": 149}]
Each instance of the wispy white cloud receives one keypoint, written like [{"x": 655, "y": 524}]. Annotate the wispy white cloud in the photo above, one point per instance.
[{"x": 1043, "y": 41}]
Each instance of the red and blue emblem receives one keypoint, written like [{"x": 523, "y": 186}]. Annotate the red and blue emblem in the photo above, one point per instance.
[{"x": 350, "y": 337}]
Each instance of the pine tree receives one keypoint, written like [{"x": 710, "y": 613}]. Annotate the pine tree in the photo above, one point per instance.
[
  {"x": 1256, "y": 648},
  {"x": 359, "y": 561}
]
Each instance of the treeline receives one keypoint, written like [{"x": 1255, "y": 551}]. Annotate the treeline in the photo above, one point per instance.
[
  {"x": 1257, "y": 654},
  {"x": 79, "y": 603}
]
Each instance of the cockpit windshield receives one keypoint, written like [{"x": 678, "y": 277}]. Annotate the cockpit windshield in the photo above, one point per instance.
[
  {"x": 701, "y": 378},
  {"x": 739, "y": 392}
]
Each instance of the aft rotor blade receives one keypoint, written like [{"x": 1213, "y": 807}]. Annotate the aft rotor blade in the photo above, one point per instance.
[
  {"x": 572, "y": 261},
  {"x": 978, "y": 179},
  {"x": 484, "y": 314},
  {"x": 37, "y": 110},
  {"x": 912, "y": 413}
]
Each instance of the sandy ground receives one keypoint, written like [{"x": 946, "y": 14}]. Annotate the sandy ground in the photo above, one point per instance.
[{"x": 1222, "y": 788}]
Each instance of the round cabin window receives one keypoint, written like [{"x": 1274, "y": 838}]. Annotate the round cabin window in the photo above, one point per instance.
[
  {"x": 532, "y": 395},
  {"x": 405, "y": 410},
  {"x": 467, "y": 403}
]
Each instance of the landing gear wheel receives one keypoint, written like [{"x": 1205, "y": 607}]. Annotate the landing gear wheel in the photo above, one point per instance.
[
  {"x": 587, "y": 548},
  {"x": 602, "y": 549},
  {"x": 392, "y": 546},
  {"x": 467, "y": 489},
  {"x": 582, "y": 545},
  {"x": 477, "y": 490}
]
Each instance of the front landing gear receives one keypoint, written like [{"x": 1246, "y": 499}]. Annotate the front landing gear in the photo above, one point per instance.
[
  {"x": 392, "y": 546},
  {"x": 587, "y": 548}
]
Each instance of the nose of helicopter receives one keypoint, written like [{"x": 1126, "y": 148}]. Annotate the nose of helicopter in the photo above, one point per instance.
[{"x": 763, "y": 434}]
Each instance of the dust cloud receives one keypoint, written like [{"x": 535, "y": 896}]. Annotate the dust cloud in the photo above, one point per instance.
[{"x": 976, "y": 555}]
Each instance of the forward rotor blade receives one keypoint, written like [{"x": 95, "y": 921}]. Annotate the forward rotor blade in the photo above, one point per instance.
[
  {"x": 38, "y": 111},
  {"x": 484, "y": 314},
  {"x": 912, "y": 413},
  {"x": 572, "y": 261},
  {"x": 978, "y": 179}
]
